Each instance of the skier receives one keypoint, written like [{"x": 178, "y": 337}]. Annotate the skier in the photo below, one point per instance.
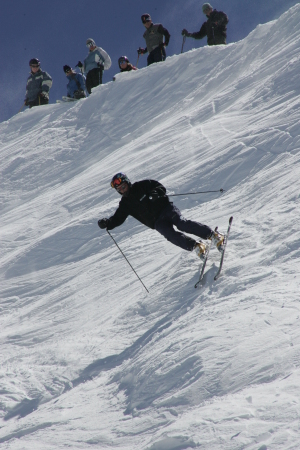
[
  {"x": 147, "y": 202},
  {"x": 76, "y": 84},
  {"x": 94, "y": 64},
  {"x": 153, "y": 36},
  {"x": 38, "y": 85},
  {"x": 125, "y": 65},
  {"x": 214, "y": 28}
]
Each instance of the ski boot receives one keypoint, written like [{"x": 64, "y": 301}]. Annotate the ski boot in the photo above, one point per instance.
[
  {"x": 200, "y": 249},
  {"x": 218, "y": 239}
]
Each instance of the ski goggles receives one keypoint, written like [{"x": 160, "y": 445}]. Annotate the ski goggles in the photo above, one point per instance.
[
  {"x": 122, "y": 61},
  {"x": 116, "y": 183},
  {"x": 90, "y": 44}
]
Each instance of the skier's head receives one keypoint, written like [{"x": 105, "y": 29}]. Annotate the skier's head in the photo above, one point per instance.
[
  {"x": 90, "y": 43},
  {"x": 34, "y": 64},
  {"x": 123, "y": 61},
  {"x": 67, "y": 69},
  {"x": 121, "y": 183},
  {"x": 146, "y": 19},
  {"x": 207, "y": 8}
]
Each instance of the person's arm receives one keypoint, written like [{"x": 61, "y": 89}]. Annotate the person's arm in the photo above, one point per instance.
[
  {"x": 80, "y": 78},
  {"x": 116, "y": 219},
  {"x": 46, "y": 83},
  {"x": 102, "y": 57},
  {"x": 201, "y": 33},
  {"x": 164, "y": 32}
]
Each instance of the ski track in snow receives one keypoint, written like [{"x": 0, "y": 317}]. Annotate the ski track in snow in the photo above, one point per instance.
[{"x": 88, "y": 358}]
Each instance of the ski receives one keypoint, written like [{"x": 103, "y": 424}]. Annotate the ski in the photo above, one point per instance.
[
  {"x": 223, "y": 252},
  {"x": 203, "y": 266},
  {"x": 66, "y": 99}
]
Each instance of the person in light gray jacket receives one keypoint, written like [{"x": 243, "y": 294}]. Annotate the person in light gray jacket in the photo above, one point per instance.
[
  {"x": 94, "y": 64},
  {"x": 38, "y": 85}
]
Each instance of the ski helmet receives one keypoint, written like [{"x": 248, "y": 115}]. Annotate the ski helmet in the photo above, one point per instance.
[
  {"x": 146, "y": 18},
  {"x": 118, "y": 179},
  {"x": 123, "y": 59},
  {"x": 67, "y": 69},
  {"x": 90, "y": 42},
  {"x": 34, "y": 62},
  {"x": 206, "y": 7}
]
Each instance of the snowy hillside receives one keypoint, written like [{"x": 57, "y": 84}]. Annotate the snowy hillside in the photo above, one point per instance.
[{"x": 89, "y": 359}]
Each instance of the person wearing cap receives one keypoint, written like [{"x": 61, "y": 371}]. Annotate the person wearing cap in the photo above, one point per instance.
[
  {"x": 147, "y": 201},
  {"x": 215, "y": 28},
  {"x": 96, "y": 61},
  {"x": 38, "y": 85},
  {"x": 125, "y": 65},
  {"x": 154, "y": 37},
  {"x": 76, "y": 83}
]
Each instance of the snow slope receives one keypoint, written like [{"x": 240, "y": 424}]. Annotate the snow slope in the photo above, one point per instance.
[{"x": 88, "y": 358}]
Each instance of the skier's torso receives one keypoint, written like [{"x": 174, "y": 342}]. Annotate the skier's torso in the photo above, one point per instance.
[
  {"x": 139, "y": 206},
  {"x": 98, "y": 55},
  {"x": 75, "y": 82},
  {"x": 36, "y": 83},
  {"x": 214, "y": 28},
  {"x": 153, "y": 36}
]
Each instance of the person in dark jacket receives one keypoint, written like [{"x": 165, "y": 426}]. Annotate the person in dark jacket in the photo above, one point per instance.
[
  {"x": 76, "y": 83},
  {"x": 147, "y": 202},
  {"x": 125, "y": 65},
  {"x": 154, "y": 37},
  {"x": 215, "y": 28},
  {"x": 38, "y": 85}
]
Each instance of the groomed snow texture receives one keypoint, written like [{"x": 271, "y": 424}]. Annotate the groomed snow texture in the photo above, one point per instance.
[{"x": 89, "y": 359}]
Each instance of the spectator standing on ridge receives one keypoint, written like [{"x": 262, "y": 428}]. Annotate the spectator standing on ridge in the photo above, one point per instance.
[
  {"x": 76, "y": 84},
  {"x": 147, "y": 202},
  {"x": 154, "y": 36},
  {"x": 215, "y": 28},
  {"x": 96, "y": 61},
  {"x": 125, "y": 65},
  {"x": 38, "y": 85}
]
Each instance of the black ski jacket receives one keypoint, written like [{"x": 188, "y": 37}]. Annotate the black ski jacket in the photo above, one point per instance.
[
  {"x": 139, "y": 205},
  {"x": 214, "y": 28}
]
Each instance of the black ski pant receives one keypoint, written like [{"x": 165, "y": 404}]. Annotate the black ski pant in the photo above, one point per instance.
[
  {"x": 93, "y": 79},
  {"x": 157, "y": 55},
  {"x": 38, "y": 101},
  {"x": 172, "y": 216}
]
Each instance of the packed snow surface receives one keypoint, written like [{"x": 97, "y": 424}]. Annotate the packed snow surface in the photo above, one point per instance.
[{"x": 89, "y": 359}]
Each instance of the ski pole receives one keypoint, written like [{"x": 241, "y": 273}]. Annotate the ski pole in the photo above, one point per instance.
[
  {"x": 127, "y": 260},
  {"x": 193, "y": 193},
  {"x": 183, "y": 41},
  {"x": 137, "y": 60},
  {"x": 21, "y": 108}
]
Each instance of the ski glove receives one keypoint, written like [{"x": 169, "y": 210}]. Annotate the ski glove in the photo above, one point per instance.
[
  {"x": 140, "y": 51},
  {"x": 44, "y": 96},
  {"x": 185, "y": 32},
  {"x": 102, "y": 223},
  {"x": 79, "y": 64}
]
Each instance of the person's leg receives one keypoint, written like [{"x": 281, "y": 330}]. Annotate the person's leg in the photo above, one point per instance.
[
  {"x": 88, "y": 82},
  {"x": 190, "y": 226},
  {"x": 92, "y": 79},
  {"x": 165, "y": 227}
]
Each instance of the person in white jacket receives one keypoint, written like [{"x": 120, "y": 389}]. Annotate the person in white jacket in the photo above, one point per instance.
[{"x": 96, "y": 61}]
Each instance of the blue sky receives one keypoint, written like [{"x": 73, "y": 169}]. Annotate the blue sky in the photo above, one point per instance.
[{"x": 56, "y": 31}]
